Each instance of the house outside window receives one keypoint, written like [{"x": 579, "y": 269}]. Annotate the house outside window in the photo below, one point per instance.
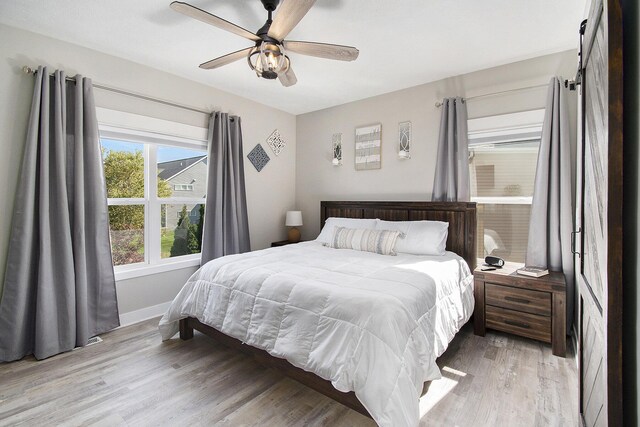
[
  {"x": 188, "y": 178},
  {"x": 156, "y": 175},
  {"x": 503, "y": 152}
]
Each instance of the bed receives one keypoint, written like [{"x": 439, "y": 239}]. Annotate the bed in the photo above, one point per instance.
[{"x": 362, "y": 328}]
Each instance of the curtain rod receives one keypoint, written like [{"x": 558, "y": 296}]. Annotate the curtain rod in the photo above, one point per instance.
[
  {"x": 28, "y": 70},
  {"x": 439, "y": 103}
]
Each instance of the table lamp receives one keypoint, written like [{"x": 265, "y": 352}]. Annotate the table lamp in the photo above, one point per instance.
[{"x": 294, "y": 219}]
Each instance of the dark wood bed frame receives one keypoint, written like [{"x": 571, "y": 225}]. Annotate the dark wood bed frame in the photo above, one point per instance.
[{"x": 461, "y": 217}]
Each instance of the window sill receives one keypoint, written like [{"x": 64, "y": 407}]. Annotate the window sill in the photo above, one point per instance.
[
  {"x": 503, "y": 200},
  {"x": 133, "y": 271}
]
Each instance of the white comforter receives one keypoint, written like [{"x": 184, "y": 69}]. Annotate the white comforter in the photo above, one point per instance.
[{"x": 369, "y": 323}]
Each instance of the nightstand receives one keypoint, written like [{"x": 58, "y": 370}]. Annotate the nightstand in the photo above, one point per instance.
[
  {"x": 284, "y": 243},
  {"x": 532, "y": 307}
]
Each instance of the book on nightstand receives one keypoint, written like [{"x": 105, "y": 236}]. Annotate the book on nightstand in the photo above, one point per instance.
[{"x": 533, "y": 271}]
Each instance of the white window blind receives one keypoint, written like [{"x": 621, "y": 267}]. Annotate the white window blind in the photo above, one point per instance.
[{"x": 503, "y": 152}]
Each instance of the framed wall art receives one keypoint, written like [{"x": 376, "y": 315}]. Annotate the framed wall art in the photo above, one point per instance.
[
  {"x": 258, "y": 157},
  {"x": 276, "y": 142},
  {"x": 368, "y": 142}
]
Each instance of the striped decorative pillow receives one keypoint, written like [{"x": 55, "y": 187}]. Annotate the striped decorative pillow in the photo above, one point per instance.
[{"x": 382, "y": 242}]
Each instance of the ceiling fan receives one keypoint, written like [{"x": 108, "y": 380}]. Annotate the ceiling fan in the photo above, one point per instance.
[{"x": 268, "y": 57}]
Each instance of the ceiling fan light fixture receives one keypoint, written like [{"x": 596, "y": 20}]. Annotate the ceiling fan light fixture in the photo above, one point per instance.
[{"x": 268, "y": 60}]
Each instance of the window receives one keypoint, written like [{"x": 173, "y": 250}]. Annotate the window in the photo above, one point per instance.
[
  {"x": 156, "y": 185},
  {"x": 503, "y": 152},
  {"x": 183, "y": 187}
]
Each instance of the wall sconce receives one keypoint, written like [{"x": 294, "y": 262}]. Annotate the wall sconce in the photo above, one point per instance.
[
  {"x": 336, "y": 142},
  {"x": 404, "y": 140}
]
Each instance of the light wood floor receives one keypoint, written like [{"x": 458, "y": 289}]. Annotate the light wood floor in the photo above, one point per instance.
[{"x": 133, "y": 379}]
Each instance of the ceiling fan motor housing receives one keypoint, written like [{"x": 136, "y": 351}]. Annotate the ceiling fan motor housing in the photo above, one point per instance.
[{"x": 270, "y": 5}]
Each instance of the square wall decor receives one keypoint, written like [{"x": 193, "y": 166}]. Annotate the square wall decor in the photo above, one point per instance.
[
  {"x": 276, "y": 142},
  {"x": 258, "y": 157},
  {"x": 368, "y": 147}
]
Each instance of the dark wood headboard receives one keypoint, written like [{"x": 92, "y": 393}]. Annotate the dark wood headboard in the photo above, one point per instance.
[{"x": 461, "y": 217}]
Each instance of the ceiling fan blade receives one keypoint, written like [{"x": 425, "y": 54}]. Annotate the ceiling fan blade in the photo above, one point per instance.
[
  {"x": 206, "y": 17},
  {"x": 226, "y": 59},
  {"x": 323, "y": 50},
  {"x": 289, "y": 78},
  {"x": 287, "y": 17}
]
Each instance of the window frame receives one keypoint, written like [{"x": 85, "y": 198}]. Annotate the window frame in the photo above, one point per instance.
[{"x": 135, "y": 129}]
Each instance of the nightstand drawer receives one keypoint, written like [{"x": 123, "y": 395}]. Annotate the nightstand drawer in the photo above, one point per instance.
[
  {"x": 534, "y": 302},
  {"x": 515, "y": 322}
]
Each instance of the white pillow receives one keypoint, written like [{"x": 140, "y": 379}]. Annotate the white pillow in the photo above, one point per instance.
[
  {"x": 421, "y": 237},
  {"x": 326, "y": 235}
]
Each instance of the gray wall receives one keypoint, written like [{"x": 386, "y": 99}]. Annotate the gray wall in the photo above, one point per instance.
[
  {"x": 412, "y": 179},
  {"x": 270, "y": 193}
]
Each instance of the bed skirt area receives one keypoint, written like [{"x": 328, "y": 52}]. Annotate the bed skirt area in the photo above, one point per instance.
[{"x": 309, "y": 379}]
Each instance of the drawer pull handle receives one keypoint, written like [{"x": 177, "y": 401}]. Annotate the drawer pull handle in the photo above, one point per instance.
[
  {"x": 519, "y": 324},
  {"x": 516, "y": 299}
]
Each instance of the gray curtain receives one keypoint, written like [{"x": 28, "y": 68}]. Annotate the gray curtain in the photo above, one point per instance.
[
  {"x": 226, "y": 224},
  {"x": 451, "y": 181},
  {"x": 59, "y": 287},
  {"x": 552, "y": 207}
]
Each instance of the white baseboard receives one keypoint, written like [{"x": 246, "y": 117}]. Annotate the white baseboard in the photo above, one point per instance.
[{"x": 146, "y": 313}]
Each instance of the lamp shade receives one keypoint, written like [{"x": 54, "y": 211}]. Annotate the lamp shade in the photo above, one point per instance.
[{"x": 294, "y": 219}]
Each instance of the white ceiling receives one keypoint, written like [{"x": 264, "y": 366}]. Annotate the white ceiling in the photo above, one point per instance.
[{"x": 402, "y": 43}]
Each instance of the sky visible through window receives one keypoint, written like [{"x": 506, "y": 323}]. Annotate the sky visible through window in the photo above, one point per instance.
[{"x": 165, "y": 154}]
